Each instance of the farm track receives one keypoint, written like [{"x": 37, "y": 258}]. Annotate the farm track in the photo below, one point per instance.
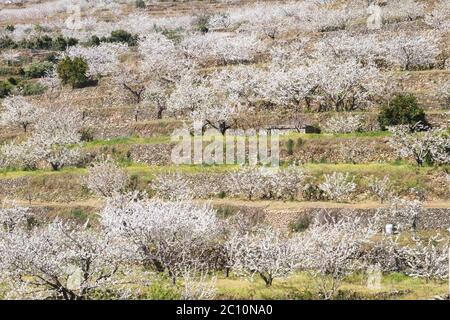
[{"x": 263, "y": 204}]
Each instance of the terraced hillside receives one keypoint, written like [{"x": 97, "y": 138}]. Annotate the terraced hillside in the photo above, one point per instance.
[{"x": 94, "y": 98}]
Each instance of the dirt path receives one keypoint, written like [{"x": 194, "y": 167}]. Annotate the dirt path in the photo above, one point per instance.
[
  {"x": 296, "y": 205},
  {"x": 268, "y": 205}
]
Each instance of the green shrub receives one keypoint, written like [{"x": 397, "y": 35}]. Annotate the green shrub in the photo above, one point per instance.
[
  {"x": 13, "y": 81},
  {"x": 201, "y": 23},
  {"x": 44, "y": 42},
  {"x": 222, "y": 194},
  {"x": 78, "y": 214},
  {"x": 301, "y": 224},
  {"x": 38, "y": 69},
  {"x": 73, "y": 71},
  {"x": 226, "y": 211},
  {"x": 403, "y": 109},
  {"x": 7, "y": 43},
  {"x": 87, "y": 135},
  {"x": 133, "y": 183},
  {"x": 123, "y": 37},
  {"x": 31, "y": 88},
  {"x": 5, "y": 88},
  {"x": 10, "y": 28},
  {"x": 312, "y": 192},
  {"x": 93, "y": 41},
  {"x": 51, "y": 57},
  {"x": 140, "y": 4},
  {"x": 290, "y": 147}
]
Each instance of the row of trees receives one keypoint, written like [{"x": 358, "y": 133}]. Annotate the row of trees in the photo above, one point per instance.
[
  {"x": 54, "y": 138},
  {"x": 342, "y": 73},
  {"x": 269, "y": 20},
  {"x": 137, "y": 236},
  {"x": 55, "y": 129}
]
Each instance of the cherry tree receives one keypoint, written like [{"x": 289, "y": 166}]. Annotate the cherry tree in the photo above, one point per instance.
[
  {"x": 343, "y": 124},
  {"x": 344, "y": 86},
  {"x": 190, "y": 94},
  {"x": 432, "y": 145},
  {"x": 341, "y": 47},
  {"x": 288, "y": 87},
  {"x": 105, "y": 178},
  {"x": 444, "y": 92},
  {"x": 172, "y": 186},
  {"x": 246, "y": 181},
  {"x": 10, "y": 57},
  {"x": 156, "y": 96},
  {"x": 253, "y": 182},
  {"x": 102, "y": 59},
  {"x": 60, "y": 156},
  {"x": 58, "y": 261},
  {"x": 223, "y": 48},
  {"x": 439, "y": 17},
  {"x": 159, "y": 66},
  {"x": 288, "y": 54},
  {"x": 162, "y": 59},
  {"x": 381, "y": 188},
  {"x": 13, "y": 216},
  {"x": 403, "y": 10},
  {"x": 219, "y": 21},
  {"x": 403, "y": 212},
  {"x": 325, "y": 19},
  {"x": 170, "y": 235},
  {"x": 25, "y": 155},
  {"x": 18, "y": 111},
  {"x": 415, "y": 51},
  {"x": 289, "y": 182},
  {"x": 131, "y": 81},
  {"x": 61, "y": 125},
  {"x": 328, "y": 251},
  {"x": 216, "y": 101},
  {"x": 427, "y": 259},
  {"x": 338, "y": 186},
  {"x": 54, "y": 130},
  {"x": 384, "y": 252},
  {"x": 51, "y": 80},
  {"x": 265, "y": 252}
]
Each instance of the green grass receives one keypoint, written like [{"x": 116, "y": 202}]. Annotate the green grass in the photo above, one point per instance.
[
  {"x": 17, "y": 173},
  {"x": 167, "y": 139},
  {"x": 127, "y": 141},
  {"x": 302, "y": 286},
  {"x": 370, "y": 168},
  {"x": 330, "y": 136},
  {"x": 312, "y": 168}
]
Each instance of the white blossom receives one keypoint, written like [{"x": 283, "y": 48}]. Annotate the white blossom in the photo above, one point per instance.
[
  {"x": 18, "y": 111},
  {"x": 265, "y": 252},
  {"x": 105, "y": 178},
  {"x": 432, "y": 145},
  {"x": 343, "y": 124},
  {"x": 329, "y": 251},
  {"x": 381, "y": 188},
  {"x": 102, "y": 59},
  {"x": 170, "y": 235},
  {"x": 427, "y": 259},
  {"x": 58, "y": 261},
  {"x": 338, "y": 186}
]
